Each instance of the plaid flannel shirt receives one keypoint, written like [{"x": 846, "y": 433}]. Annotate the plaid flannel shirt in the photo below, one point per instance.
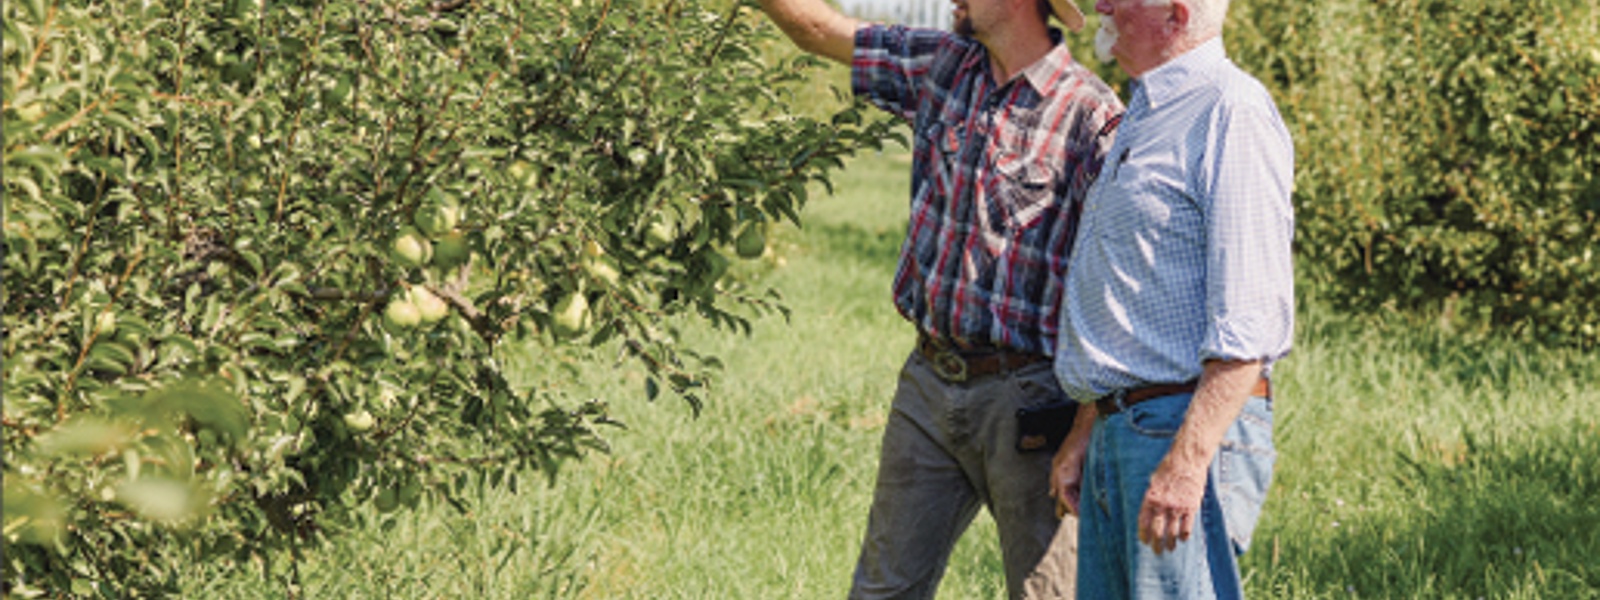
[{"x": 999, "y": 174}]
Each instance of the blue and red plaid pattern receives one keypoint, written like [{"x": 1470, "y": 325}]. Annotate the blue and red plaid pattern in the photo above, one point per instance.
[{"x": 999, "y": 173}]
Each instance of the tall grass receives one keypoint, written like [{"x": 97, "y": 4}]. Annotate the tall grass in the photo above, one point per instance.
[
  {"x": 1415, "y": 462},
  {"x": 1420, "y": 463}
]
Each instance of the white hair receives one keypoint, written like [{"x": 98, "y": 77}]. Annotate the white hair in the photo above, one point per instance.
[{"x": 1206, "y": 16}]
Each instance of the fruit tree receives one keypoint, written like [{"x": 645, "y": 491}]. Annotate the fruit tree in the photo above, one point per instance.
[{"x": 261, "y": 258}]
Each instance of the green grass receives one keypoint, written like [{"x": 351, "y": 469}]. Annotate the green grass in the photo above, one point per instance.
[
  {"x": 1417, "y": 463},
  {"x": 1414, "y": 463}
]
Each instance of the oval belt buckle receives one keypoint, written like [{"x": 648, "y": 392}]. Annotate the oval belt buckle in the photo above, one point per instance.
[{"x": 949, "y": 366}]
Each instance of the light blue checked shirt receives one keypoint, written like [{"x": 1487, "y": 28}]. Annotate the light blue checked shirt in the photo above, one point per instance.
[{"x": 1184, "y": 249}]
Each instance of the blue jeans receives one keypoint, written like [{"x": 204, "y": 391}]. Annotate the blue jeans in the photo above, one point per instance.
[{"x": 1124, "y": 451}]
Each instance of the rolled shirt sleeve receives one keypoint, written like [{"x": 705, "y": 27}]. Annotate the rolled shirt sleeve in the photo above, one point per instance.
[{"x": 1247, "y": 181}]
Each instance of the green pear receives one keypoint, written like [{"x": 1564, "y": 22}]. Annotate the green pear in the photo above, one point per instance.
[
  {"x": 437, "y": 216},
  {"x": 429, "y": 307},
  {"x": 401, "y": 314},
  {"x": 752, "y": 242},
  {"x": 388, "y": 499},
  {"x": 451, "y": 250},
  {"x": 411, "y": 494},
  {"x": 571, "y": 315},
  {"x": 601, "y": 269},
  {"x": 359, "y": 421},
  {"x": 411, "y": 249}
]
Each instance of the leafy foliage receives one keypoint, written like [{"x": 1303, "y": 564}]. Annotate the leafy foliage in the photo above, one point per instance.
[
  {"x": 260, "y": 256},
  {"x": 1447, "y": 153}
]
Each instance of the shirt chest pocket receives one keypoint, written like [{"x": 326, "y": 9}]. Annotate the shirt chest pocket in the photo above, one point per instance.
[
  {"x": 1143, "y": 196},
  {"x": 1027, "y": 188}
]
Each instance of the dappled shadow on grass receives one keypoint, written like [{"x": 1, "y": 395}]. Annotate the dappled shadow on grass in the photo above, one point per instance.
[{"x": 1494, "y": 516}]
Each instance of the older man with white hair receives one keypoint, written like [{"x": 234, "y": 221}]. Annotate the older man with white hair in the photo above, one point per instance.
[{"x": 1179, "y": 298}]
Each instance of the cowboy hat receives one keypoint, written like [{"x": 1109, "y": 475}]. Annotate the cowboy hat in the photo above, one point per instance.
[{"x": 1067, "y": 11}]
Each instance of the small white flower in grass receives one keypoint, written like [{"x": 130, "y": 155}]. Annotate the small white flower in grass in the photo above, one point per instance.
[
  {"x": 1335, "y": 523},
  {"x": 1517, "y": 551}
]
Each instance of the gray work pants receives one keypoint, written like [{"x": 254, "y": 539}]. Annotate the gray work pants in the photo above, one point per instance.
[{"x": 949, "y": 448}]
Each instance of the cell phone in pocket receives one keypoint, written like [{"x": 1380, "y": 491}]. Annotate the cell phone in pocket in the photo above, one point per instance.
[{"x": 1042, "y": 428}]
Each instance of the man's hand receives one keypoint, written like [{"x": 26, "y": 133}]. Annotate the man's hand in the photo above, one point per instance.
[
  {"x": 1170, "y": 506},
  {"x": 1066, "y": 469},
  {"x": 1172, "y": 502}
]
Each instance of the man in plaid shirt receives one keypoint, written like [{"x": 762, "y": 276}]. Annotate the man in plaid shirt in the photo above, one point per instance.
[{"x": 1010, "y": 133}]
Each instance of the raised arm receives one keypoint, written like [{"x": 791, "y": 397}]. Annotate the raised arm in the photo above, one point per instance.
[{"x": 815, "y": 27}]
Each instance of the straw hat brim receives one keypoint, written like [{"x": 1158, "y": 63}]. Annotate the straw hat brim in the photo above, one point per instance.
[{"x": 1067, "y": 11}]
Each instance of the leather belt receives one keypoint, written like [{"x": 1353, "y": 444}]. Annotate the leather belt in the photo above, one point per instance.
[
  {"x": 1108, "y": 404},
  {"x": 957, "y": 365}
]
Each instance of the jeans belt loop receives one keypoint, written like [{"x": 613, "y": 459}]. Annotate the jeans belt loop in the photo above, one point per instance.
[{"x": 1120, "y": 398}]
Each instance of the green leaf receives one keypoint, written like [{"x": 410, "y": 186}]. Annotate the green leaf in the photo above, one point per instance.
[
  {"x": 33, "y": 515},
  {"x": 111, "y": 356},
  {"x": 251, "y": 258},
  {"x": 46, "y": 158},
  {"x": 36, "y": 11},
  {"x": 162, "y": 499},
  {"x": 86, "y": 436}
]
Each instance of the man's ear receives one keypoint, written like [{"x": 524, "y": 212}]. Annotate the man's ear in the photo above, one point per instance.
[{"x": 1178, "y": 19}]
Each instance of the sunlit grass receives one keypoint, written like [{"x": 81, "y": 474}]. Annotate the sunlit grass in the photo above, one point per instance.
[
  {"x": 1414, "y": 463},
  {"x": 1422, "y": 464}
]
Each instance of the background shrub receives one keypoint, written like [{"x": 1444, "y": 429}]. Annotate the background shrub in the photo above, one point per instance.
[{"x": 1447, "y": 153}]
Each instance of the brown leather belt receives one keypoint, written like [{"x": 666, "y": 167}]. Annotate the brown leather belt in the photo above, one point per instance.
[
  {"x": 1108, "y": 405},
  {"x": 957, "y": 365}
]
